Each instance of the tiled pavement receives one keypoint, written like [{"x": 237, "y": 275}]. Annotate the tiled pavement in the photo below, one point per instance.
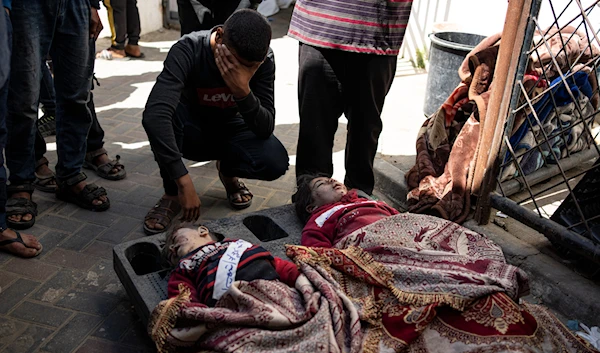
[{"x": 69, "y": 299}]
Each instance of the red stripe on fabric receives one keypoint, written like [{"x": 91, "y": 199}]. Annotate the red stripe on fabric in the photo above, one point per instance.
[
  {"x": 348, "y": 20},
  {"x": 345, "y": 47},
  {"x": 261, "y": 254}
]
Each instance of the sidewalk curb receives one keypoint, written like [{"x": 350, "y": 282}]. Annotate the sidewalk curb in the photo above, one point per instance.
[
  {"x": 390, "y": 181},
  {"x": 559, "y": 288}
]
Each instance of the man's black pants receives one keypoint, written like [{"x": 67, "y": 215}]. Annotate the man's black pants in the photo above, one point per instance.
[
  {"x": 195, "y": 15},
  {"x": 241, "y": 153},
  {"x": 124, "y": 22},
  {"x": 332, "y": 82}
]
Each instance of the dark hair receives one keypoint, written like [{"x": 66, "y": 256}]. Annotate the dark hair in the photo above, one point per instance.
[
  {"x": 248, "y": 33},
  {"x": 167, "y": 261},
  {"x": 303, "y": 197}
]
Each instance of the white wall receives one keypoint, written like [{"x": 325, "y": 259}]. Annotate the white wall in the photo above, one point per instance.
[
  {"x": 151, "y": 16},
  {"x": 478, "y": 17}
]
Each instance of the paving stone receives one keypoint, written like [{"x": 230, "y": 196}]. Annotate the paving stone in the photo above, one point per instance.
[
  {"x": 123, "y": 128},
  {"x": 119, "y": 230},
  {"x": 137, "y": 336},
  {"x": 100, "y": 249},
  {"x": 119, "y": 321},
  {"x": 31, "y": 268},
  {"x": 147, "y": 180},
  {"x": 63, "y": 224},
  {"x": 216, "y": 192},
  {"x": 97, "y": 346},
  {"x": 124, "y": 185},
  {"x": 204, "y": 183},
  {"x": 12, "y": 295},
  {"x": 50, "y": 241},
  {"x": 57, "y": 286},
  {"x": 29, "y": 340},
  {"x": 137, "y": 195},
  {"x": 6, "y": 278},
  {"x": 82, "y": 238},
  {"x": 279, "y": 198},
  {"x": 90, "y": 303},
  {"x": 9, "y": 330},
  {"x": 127, "y": 210},
  {"x": 101, "y": 279},
  {"x": 41, "y": 314},
  {"x": 68, "y": 258},
  {"x": 72, "y": 334},
  {"x": 100, "y": 218},
  {"x": 65, "y": 209}
]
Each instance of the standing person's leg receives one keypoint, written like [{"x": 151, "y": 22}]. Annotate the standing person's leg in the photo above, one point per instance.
[
  {"x": 47, "y": 123},
  {"x": 364, "y": 92},
  {"x": 193, "y": 16},
  {"x": 117, "y": 21},
  {"x": 96, "y": 157},
  {"x": 320, "y": 105},
  {"x": 71, "y": 50},
  {"x": 32, "y": 33},
  {"x": 133, "y": 30},
  {"x": 10, "y": 241}
]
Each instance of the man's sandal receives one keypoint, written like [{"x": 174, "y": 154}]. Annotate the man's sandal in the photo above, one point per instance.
[
  {"x": 104, "y": 170},
  {"x": 163, "y": 212},
  {"x": 85, "y": 198},
  {"x": 241, "y": 190},
  {"x": 45, "y": 183},
  {"x": 20, "y": 206},
  {"x": 19, "y": 239}
]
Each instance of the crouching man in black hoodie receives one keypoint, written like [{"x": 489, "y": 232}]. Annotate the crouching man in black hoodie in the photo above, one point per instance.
[{"x": 214, "y": 100}]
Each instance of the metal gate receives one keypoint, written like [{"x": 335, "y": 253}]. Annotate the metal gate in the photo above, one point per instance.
[{"x": 540, "y": 139}]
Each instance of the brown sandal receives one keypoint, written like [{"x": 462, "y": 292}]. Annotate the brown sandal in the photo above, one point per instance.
[
  {"x": 163, "y": 212},
  {"x": 240, "y": 190}
]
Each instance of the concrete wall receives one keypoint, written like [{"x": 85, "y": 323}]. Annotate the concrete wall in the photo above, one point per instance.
[{"x": 151, "y": 16}]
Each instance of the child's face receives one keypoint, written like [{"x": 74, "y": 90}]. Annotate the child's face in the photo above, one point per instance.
[
  {"x": 187, "y": 239},
  {"x": 325, "y": 191}
]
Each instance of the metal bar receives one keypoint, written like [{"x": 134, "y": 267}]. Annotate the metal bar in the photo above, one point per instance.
[
  {"x": 553, "y": 231},
  {"x": 510, "y": 67},
  {"x": 571, "y": 177},
  {"x": 513, "y": 186}
]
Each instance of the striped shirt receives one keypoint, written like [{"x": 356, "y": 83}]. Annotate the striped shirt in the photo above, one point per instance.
[{"x": 361, "y": 26}]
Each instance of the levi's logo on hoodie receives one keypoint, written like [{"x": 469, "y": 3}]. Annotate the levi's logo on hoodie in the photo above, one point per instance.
[{"x": 220, "y": 97}]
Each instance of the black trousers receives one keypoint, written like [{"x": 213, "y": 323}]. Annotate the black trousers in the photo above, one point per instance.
[
  {"x": 124, "y": 22},
  {"x": 199, "y": 15},
  {"x": 240, "y": 152},
  {"x": 332, "y": 82}
]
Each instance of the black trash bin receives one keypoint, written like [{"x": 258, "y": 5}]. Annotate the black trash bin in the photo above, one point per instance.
[{"x": 447, "y": 52}]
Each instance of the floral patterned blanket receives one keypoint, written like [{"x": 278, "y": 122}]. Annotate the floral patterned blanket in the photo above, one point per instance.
[{"x": 407, "y": 283}]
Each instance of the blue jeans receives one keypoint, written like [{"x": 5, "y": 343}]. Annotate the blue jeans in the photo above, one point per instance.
[
  {"x": 5, "y": 48},
  {"x": 61, "y": 28}
]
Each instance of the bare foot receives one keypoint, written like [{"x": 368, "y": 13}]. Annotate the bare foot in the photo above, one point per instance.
[{"x": 26, "y": 247}]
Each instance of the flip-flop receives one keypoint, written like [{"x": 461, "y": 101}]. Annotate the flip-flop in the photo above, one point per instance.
[{"x": 19, "y": 239}]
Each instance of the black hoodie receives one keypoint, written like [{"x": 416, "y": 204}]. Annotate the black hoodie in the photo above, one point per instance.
[{"x": 191, "y": 76}]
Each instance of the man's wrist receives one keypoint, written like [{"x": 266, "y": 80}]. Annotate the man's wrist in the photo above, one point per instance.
[
  {"x": 241, "y": 93},
  {"x": 183, "y": 181}
]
